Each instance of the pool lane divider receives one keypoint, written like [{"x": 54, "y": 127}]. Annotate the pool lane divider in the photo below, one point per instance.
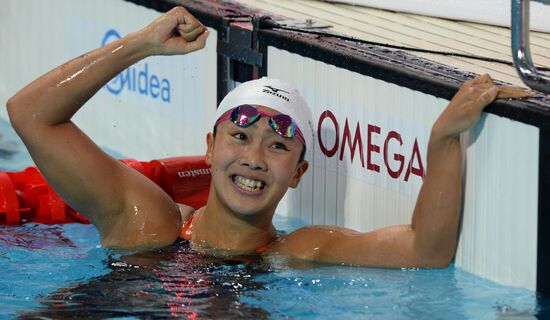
[{"x": 26, "y": 196}]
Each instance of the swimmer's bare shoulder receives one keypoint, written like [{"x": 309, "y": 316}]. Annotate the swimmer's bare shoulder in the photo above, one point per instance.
[
  {"x": 387, "y": 247},
  {"x": 325, "y": 244},
  {"x": 128, "y": 209}
]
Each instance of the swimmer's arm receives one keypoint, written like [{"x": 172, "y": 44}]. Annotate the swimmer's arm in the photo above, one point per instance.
[
  {"x": 127, "y": 208},
  {"x": 429, "y": 241},
  {"x": 431, "y": 238}
]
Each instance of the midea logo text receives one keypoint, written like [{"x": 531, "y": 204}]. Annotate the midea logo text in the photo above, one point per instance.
[{"x": 137, "y": 79}]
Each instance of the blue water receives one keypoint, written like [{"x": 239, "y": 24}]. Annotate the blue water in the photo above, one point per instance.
[{"x": 61, "y": 272}]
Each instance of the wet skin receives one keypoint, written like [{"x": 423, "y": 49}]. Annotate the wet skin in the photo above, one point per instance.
[
  {"x": 251, "y": 168},
  {"x": 256, "y": 153}
]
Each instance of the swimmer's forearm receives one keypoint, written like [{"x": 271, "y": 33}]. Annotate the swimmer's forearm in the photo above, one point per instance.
[
  {"x": 57, "y": 95},
  {"x": 436, "y": 215}
]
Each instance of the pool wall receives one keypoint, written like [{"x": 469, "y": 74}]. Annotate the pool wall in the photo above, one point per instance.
[
  {"x": 151, "y": 110},
  {"x": 374, "y": 109},
  {"x": 370, "y": 155}
]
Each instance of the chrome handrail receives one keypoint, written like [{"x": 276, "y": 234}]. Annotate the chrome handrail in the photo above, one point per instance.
[{"x": 520, "y": 47}]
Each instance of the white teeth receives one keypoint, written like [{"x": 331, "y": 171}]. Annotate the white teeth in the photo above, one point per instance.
[{"x": 248, "y": 184}]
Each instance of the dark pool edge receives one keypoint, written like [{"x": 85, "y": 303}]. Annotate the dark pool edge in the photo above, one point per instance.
[
  {"x": 543, "y": 232},
  {"x": 394, "y": 66}
]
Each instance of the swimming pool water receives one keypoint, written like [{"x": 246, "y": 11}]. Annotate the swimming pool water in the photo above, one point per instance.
[{"x": 61, "y": 272}]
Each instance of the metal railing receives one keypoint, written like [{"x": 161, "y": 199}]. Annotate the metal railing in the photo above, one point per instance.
[{"x": 521, "y": 48}]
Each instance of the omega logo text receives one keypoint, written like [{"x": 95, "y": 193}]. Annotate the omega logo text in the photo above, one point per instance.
[{"x": 368, "y": 150}]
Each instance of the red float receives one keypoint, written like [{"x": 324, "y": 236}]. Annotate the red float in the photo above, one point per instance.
[{"x": 26, "y": 196}]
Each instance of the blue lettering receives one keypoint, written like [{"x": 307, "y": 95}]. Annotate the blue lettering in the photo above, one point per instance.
[
  {"x": 142, "y": 81},
  {"x": 133, "y": 87},
  {"x": 116, "y": 85},
  {"x": 110, "y": 33},
  {"x": 154, "y": 85},
  {"x": 165, "y": 91},
  {"x": 134, "y": 80}
]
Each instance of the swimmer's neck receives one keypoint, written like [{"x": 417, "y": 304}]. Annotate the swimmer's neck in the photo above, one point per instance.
[{"x": 217, "y": 227}]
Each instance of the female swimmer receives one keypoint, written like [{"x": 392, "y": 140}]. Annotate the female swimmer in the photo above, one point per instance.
[{"x": 255, "y": 153}]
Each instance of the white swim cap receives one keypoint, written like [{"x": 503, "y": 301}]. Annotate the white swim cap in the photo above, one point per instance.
[{"x": 274, "y": 94}]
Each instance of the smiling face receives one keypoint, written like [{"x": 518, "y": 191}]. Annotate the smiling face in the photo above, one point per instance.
[{"x": 252, "y": 167}]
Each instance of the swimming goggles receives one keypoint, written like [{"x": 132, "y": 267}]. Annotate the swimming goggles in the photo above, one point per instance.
[{"x": 245, "y": 115}]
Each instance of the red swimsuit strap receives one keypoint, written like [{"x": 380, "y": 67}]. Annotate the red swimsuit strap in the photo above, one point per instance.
[
  {"x": 187, "y": 231},
  {"x": 263, "y": 248}
]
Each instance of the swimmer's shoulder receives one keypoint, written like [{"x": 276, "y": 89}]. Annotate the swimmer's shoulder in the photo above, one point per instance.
[{"x": 308, "y": 242}]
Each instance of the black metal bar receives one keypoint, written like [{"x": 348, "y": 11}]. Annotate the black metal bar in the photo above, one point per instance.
[
  {"x": 402, "y": 69},
  {"x": 543, "y": 235}
]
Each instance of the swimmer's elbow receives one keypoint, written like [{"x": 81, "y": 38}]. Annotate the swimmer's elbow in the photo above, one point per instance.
[
  {"x": 441, "y": 263},
  {"x": 15, "y": 113},
  {"x": 437, "y": 261},
  {"x": 433, "y": 252},
  {"x": 11, "y": 107}
]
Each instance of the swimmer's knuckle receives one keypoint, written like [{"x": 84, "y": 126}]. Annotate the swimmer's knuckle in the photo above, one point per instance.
[
  {"x": 180, "y": 9},
  {"x": 470, "y": 89}
]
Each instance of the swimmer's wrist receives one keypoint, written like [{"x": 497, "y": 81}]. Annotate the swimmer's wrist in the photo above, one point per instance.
[
  {"x": 438, "y": 135},
  {"x": 138, "y": 45}
]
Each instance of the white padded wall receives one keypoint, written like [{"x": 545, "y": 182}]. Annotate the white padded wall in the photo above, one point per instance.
[
  {"x": 162, "y": 106},
  {"x": 499, "y": 232},
  {"x": 353, "y": 187},
  {"x": 499, "y": 229}
]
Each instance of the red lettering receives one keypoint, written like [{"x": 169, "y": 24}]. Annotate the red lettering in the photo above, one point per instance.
[
  {"x": 419, "y": 171},
  {"x": 357, "y": 141},
  {"x": 327, "y": 152},
  {"x": 397, "y": 157},
  {"x": 393, "y": 162},
  {"x": 372, "y": 148}
]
